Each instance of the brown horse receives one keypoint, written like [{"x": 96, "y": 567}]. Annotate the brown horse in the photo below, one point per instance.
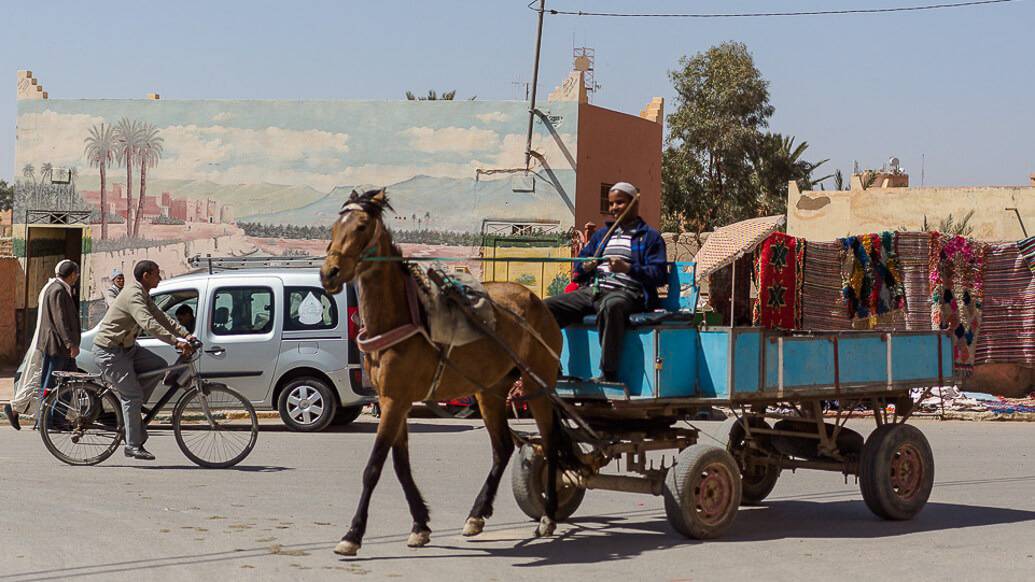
[{"x": 404, "y": 372}]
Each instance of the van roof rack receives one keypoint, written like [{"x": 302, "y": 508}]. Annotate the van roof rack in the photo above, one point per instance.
[{"x": 214, "y": 264}]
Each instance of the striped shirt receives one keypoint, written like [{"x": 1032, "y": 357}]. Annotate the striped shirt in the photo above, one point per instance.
[{"x": 618, "y": 246}]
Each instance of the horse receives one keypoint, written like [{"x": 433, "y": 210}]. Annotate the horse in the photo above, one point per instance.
[{"x": 409, "y": 371}]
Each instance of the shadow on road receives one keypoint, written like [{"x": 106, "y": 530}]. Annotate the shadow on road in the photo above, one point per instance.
[
  {"x": 371, "y": 427},
  {"x": 239, "y": 468}
]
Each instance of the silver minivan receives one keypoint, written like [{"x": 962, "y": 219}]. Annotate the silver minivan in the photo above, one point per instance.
[{"x": 274, "y": 335}]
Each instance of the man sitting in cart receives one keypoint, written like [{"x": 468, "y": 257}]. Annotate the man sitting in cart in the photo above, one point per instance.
[{"x": 630, "y": 269}]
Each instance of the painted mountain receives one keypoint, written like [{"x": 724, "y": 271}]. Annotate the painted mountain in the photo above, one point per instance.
[{"x": 443, "y": 204}]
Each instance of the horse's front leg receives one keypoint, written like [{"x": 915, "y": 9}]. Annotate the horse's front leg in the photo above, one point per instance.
[
  {"x": 393, "y": 417},
  {"x": 494, "y": 413},
  {"x": 420, "y": 535}
]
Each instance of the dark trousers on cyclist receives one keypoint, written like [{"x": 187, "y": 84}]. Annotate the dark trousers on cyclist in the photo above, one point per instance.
[{"x": 121, "y": 367}]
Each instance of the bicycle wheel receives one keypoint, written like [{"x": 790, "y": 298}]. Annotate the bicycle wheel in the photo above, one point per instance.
[
  {"x": 216, "y": 427},
  {"x": 81, "y": 423}
]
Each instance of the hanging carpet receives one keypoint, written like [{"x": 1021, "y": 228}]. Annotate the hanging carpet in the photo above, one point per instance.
[
  {"x": 1008, "y": 313},
  {"x": 872, "y": 281},
  {"x": 778, "y": 272},
  {"x": 957, "y": 269},
  {"x": 821, "y": 305},
  {"x": 1027, "y": 250}
]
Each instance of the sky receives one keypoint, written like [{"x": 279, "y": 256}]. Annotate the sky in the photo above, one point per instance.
[{"x": 948, "y": 92}]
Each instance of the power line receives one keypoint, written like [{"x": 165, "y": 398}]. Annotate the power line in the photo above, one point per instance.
[{"x": 768, "y": 14}]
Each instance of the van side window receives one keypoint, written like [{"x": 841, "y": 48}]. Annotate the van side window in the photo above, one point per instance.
[
  {"x": 181, "y": 306},
  {"x": 309, "y": 308},
  {"x": 242, "y": 311}
]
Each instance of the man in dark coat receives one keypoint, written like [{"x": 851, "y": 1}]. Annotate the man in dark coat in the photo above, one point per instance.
[{"x": 58, "y": 330}]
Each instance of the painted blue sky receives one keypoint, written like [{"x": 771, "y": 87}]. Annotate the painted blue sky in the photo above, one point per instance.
[{"x": 953, "y": 85}]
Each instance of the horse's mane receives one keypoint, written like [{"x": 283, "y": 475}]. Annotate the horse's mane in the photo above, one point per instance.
[{"x": 375, "y": 208}]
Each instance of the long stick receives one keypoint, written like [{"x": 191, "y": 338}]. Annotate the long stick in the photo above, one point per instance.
[
  {"x": 535, "y": 83},
  {"x": 618, "y": 221}
]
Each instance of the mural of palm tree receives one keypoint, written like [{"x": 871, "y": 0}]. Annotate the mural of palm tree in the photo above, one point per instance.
[
  {"x": 127, "y": 140},
  {"x": 29, "y": 172},
  {"x": 100, "y": 151},
  {"x": 46, "y": 172},
  {"x": 148, "y": 154}
]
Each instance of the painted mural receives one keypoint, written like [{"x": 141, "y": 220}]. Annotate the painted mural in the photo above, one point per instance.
[{"x": 170, "y": 179}]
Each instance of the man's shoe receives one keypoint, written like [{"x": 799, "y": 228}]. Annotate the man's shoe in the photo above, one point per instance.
[
  {"x": 138, "y": 453},
  {"x": 12, "y": 417},
  {"x": 606, "y": 379}
]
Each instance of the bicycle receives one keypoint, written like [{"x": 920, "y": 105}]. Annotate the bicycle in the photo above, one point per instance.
[{"x": 81, "y": 418}]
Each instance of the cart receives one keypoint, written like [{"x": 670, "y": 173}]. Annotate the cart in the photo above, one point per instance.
[{"x": 673, "y": 368}]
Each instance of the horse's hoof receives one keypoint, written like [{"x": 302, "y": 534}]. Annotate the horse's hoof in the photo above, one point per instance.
[
  {"x": 419, "y": 539},
  {"x": 546, "y": 527},
  {"x": 474, "y": 526},
  {"x": 346, "y": 548}
]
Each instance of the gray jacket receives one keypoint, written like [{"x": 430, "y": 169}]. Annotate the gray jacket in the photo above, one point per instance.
[{"x": 133, "y": 311}]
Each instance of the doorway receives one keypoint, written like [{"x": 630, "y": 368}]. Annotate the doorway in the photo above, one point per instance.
[{"x": 45, "y": 247}]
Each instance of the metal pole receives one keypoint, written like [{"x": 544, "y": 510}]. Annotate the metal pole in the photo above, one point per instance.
[
  {"x": 535, "y": 84},
  {"x": 733, "y": 292}
]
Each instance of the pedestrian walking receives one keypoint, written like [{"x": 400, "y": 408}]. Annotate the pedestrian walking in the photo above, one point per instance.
[
  {"x": 118, "y": 281},
  {"x": 55, "y": 343}
]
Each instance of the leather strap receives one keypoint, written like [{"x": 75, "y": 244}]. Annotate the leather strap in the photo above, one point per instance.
[{"x": 394, "y": 336}]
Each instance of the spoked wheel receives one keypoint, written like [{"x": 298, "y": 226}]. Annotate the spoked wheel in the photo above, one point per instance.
[
  {"x": 896, "y": 471},
  {"x": 758, "y": 476},
  {"x": 215, "y": 428},
  {"x": 81, "y": 423},
  {"x": 528, "y": 481},
  {"x": 702, "y": 492}
]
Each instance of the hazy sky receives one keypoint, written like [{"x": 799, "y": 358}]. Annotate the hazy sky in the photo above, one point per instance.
[{"x": 955, "y": 85}]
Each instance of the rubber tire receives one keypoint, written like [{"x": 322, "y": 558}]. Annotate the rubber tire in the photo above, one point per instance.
[
  {"x": 680, "y": 509},
  {"x": 875, "y": 468},
  {"x": 181, "y": 405},
  {"x": 754, "y": 490},
  {"x": 330, "y": 405},
  {"x": 347, "y": 415},
  {"x": 528, "y": 492},
  {"x": 104, "y": 455}
]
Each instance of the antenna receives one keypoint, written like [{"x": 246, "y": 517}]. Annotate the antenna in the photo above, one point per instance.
[{"x": 583, "y": 60}]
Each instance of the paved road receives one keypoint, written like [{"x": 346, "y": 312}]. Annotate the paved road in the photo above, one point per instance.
[{"x": 279, "y": 516}]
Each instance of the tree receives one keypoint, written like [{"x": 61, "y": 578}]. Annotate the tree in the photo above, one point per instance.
[
  {"x": 148, "y": 154},
  {"x": 99, "y": 151},
  {"x": 433, "y": 96},
  {"x": 6, "y": 195},
  {"x": 127, "y": 141},
  {"x": 719, "y": 164}
]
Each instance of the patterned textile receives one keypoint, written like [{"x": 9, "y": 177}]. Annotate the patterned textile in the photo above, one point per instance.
[
  {"x": 914, "y": 249},
  {"x": 731, "y": 242},
  {"x": 821, "y": 289},
  {"x": 1027, "y": 249},
  {"x": 872, "y": 281},
  {"x": 778, "y": 272},
  {"x": 957, "y": 291},
  {"x": 1008, "y": 313}
]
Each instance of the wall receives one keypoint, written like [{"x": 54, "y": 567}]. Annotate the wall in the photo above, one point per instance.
[
  {"x": 616, "y": 147},
  {"x": 827, "y": 215},
  {"x": 10, "y": 272}
]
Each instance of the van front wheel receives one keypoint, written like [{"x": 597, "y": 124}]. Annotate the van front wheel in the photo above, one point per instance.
[{"x": 307, "y": 404}]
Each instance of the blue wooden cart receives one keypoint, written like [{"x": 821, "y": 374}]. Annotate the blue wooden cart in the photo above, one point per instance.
[{"x": 673, "y": 367}]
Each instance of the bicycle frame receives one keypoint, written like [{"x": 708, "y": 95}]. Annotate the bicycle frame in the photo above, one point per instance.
[{"x": 195, "y": 382}]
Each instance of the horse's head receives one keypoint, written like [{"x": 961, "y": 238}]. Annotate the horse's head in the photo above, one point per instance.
[{"x": 355, "y": 234}]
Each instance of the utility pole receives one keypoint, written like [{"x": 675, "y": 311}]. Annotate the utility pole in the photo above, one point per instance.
[{"x": 535, "y": 84}]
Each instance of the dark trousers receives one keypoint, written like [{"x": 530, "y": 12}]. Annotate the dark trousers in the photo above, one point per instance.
[
  {"x": 612, "y": 309},
  {"x": 51, "y": 364}
]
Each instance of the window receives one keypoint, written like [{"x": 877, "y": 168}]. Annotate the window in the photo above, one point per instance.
[
  {"x": 242, "y": 311},
  {"x": 605, "y": 204},
  {"x": 308, "y": 308},
  {"x": 180, "y": 305}
]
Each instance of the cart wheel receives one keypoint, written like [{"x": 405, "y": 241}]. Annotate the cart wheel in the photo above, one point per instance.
[
  {"x": 896, "y": 471},
  {"x": 702, "y": 492},
  {"x": 757, "y": 477},
  {"x": 528, "y": 480}
]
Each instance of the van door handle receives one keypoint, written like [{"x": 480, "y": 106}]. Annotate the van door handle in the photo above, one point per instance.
[{"x": 216, "y": 350}]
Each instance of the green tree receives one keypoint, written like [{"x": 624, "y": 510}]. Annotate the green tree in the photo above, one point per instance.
[
  {"x": 148, "y": 153},
  {"x": 719, "y": 164},
  {"x": 6, "y": 195},
  {"x": 127, "y": 141},
  {"x": 433, "y": 96},
  {"x": 556, "y": 287},
  {"x": 99, "y": 150}
]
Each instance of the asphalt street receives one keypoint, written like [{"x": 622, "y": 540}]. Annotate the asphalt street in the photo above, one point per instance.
[{"x": 278, "y": 516}]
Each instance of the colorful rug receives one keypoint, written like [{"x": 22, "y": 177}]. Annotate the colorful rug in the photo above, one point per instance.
[
  {"x": 1027, "y": 250},
  {"x": 872, "y": 282},
  {"x": 821, "y": 306},
  {"x": 1008, "y": 313},
  {"x": 778, "y": 272},
  {"x": 957, "y": 267}
]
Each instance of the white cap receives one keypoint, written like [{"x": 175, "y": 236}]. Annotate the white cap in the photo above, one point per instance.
[{"x": 625, "y": 188}]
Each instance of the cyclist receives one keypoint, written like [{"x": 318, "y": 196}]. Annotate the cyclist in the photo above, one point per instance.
[{"x": 121, "y": 360}]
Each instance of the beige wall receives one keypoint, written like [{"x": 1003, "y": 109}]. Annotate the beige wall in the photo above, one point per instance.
[{"x": 827, "y": 215}]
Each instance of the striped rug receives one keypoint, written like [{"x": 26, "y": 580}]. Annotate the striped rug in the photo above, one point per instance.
[
  {"x": 1008, "y": 314},
  {"x": 1027, "y": 249}
]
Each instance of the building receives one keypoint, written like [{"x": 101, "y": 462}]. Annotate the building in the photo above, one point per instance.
[{"x": 1000, "y": 213}]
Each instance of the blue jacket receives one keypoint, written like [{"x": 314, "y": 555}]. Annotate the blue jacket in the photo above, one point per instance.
[{"x": 648, "y": 258}]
